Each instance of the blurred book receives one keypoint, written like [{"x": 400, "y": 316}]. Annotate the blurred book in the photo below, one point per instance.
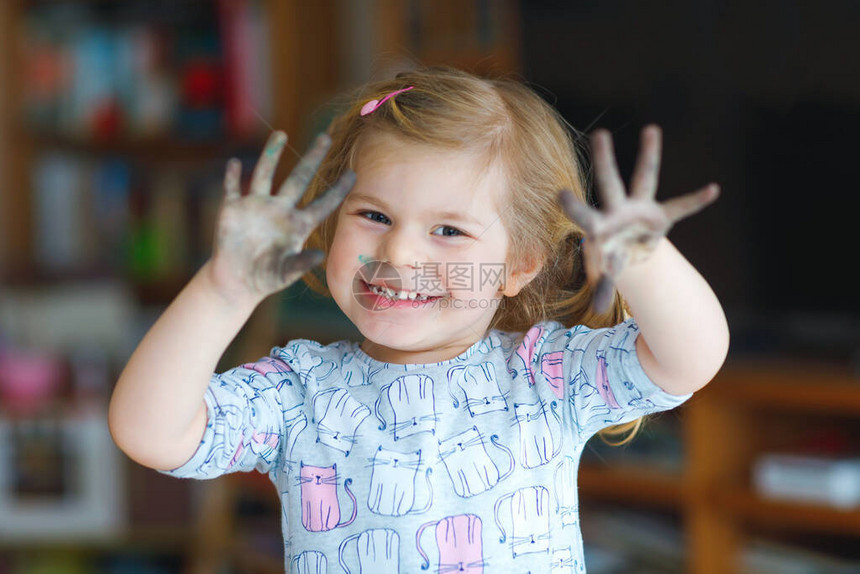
[
  {"x": 247, "y": 65},
  {"x": 92, "y": 102},
  {"x": 828, "y": 480},
  {"x": 168, "y": 216},
  {"x": 111, "y": 210},
  {"x": 62, "y": 233}
]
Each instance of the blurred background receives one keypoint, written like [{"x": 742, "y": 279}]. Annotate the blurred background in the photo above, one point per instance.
[{"x": 116, "y": 119}]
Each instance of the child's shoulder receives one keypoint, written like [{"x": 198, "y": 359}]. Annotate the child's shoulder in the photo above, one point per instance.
[
  {"x": 549, "y": 330},
  {"x": 548, "y": 335}
]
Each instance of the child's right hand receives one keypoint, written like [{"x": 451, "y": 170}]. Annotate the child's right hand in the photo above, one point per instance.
[{"x": 259, "y": 236}]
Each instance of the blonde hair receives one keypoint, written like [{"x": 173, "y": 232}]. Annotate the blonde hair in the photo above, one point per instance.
[{"x": 508, "y": 122}]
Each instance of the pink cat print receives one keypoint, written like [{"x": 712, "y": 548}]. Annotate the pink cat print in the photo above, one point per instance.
[
  {"x": 320, "y": 507},
  {"x": 268, "y": 365},
  {"x": 526, "y": 351},
  {"x": 603, "y": 384},
  {"x": 458, "y": 539},
  {"x": 552, "y": 369}
]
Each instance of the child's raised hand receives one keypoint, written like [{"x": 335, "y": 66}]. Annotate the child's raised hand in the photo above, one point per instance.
[
  {"x": 259, "y": 236},
  {"x": 628, "y": 228}
]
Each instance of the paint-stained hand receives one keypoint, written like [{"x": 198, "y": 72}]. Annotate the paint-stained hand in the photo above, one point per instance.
[
  {"x": 628, "y": 228},
  {"x": 260, "y": 235}
]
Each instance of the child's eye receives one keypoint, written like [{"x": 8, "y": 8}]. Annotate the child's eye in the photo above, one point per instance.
[
  {"x": 376, "y": 216},
  {"x": 447, "y": 231}
]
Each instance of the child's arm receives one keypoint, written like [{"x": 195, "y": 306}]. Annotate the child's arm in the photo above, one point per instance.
[
  {"x": 684, "y": 335},
  {"x": 157, "y": 415},
  {"x": 683, "y": 332}
]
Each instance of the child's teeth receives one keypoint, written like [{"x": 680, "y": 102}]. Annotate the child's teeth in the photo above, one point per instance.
[{"x": 399, "y": 295}]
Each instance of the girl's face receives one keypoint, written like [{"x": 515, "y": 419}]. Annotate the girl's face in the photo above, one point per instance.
[{"x": 425, "y": 224}]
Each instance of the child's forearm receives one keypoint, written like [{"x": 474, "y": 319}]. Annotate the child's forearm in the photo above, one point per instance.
[
  {"x": 157, "y": 415},
  {"x": 684, "y": 336}
]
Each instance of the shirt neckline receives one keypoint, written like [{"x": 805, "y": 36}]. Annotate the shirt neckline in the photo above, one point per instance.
[{"x": 465, "y": 355}]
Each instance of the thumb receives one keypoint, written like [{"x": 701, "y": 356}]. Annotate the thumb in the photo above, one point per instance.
[{"x": 294, "y": 266}]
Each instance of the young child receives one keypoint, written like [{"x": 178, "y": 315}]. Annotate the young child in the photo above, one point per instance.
[{"x": 450, "y": 437}]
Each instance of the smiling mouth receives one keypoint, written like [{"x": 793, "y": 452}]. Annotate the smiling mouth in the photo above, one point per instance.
[{"x": 399, "y": 295}]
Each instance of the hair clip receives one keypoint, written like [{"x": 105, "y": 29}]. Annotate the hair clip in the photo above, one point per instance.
[{"x": 372, "y": 105}]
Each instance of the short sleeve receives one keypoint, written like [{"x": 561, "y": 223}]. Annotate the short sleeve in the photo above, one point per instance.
[
  {"x": 245, "y": 420},
  {"x": 597, "y": 374}
]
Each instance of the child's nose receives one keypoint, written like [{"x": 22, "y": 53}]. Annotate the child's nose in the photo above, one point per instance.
[{"x": 402, "y": 248}]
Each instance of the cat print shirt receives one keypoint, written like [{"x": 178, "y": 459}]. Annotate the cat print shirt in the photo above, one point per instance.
[{"x": 466, "y": 465}]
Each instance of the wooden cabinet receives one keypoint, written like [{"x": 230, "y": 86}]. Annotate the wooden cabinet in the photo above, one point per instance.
[{"x": 749, "y": 409}]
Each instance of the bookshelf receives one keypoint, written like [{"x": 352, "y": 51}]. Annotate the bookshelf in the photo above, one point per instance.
[
  {"x": 157, "y": 157},
  {"x": 199, "y": 96},
  {"x": 750, "y": 408}
]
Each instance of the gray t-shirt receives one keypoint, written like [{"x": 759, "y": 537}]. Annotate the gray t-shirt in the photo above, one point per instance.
[{"x": 459, "y": 465}]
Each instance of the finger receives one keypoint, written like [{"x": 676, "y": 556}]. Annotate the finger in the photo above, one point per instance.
[
  {"x": 686, "y": 205},
  {"x": 609, "y": 183},
  {"x": 604, "y": 294},
  {"x": 578, "y": 211},
  {"x": 261, "y": 181},
  {"x": 643, "y": 185},
  {"x": 321, "y": 207},
  {"x": 294, "y": 266},
  {"x": 233, "y": 179},
  {"x": 295, "y": 185}
]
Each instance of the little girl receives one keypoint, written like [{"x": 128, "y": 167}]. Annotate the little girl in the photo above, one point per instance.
[{"x": 450, "y": 437}]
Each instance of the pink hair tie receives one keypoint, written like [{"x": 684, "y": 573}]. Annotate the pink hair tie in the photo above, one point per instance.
[{"x": 372, "y": 105}]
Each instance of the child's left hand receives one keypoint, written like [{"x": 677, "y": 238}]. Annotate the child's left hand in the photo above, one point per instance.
[{"x": 628, "y": 228}]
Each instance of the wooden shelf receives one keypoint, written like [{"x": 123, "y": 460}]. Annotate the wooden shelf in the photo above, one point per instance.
[
  {"x": 639, "y": 485},
  {"x": 159, "y": 539},
  {"x": 726, "y": 430},
  {"x": 796, "y": 515},
  {"x": 161, "y": 149},
  {"x": 802, "y": 386}
]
